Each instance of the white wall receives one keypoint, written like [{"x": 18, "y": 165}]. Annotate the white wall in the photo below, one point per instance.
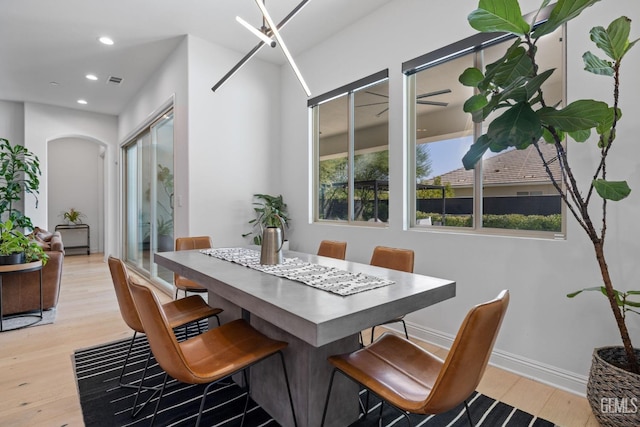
[
  {"x": 223, "y": 141},
  {"x": 166, "y": 86},
  {"x": 233, "y": 140},
  {"x": 12, "y": 122},
  {"x": 545, "y": 334},
  {"x": 44, "y": 123},
  {"x": 80, "y": 187}
]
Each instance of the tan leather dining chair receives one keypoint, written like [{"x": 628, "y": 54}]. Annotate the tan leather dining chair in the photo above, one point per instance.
[
  {"x": 178, "y": 313},
  {"x": 332, "y": 249},
  {"x": 395, "y": 259},
  {"x": 416, "y": 381},
  {"x": 206, "y": 358},
  {"x": 185, "y": 244}
]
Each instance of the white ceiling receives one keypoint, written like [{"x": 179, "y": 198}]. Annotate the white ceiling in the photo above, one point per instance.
[{"x": 44, "y": 41}]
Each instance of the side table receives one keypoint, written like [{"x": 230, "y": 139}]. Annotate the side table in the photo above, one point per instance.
[
  {"x": 80, "y": 227},
  {"x": 19, "y": 269}
]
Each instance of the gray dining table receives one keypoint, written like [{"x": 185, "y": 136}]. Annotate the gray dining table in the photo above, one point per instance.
[{"x": 316, "y": 324}]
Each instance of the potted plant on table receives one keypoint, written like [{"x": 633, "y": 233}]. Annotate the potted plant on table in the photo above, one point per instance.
[
  {"x": 271, "y": 211},
  {"x": 511, "y": 89},
  {"x": 16, "y": 248},
  {"x": 73, "y": 216}
]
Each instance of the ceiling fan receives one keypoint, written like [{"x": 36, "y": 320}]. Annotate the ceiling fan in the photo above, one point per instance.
[{"x": 420, "y": 99}]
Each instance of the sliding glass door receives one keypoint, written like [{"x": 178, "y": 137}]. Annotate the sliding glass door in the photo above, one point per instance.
[{"x": 148, "y": 184}]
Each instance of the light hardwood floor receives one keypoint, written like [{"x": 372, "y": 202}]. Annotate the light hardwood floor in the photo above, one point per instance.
[{"x": 38, "y": 388}]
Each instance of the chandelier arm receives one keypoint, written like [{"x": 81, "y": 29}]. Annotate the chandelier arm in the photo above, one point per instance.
[
  {"x": 283, "y": 46},
  {"x": 257, "y": 47}
]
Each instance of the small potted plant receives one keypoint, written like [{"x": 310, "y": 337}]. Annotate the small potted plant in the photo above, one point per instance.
[
  {"x": 16, "y": 248},
  {"x": 271, "y": 211},
  {"x": 73, "y": 216}
]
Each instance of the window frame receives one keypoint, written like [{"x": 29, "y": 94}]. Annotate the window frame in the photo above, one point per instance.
[
  {"x": 474, "y": 44},
  {"x": 348, "y": 90}
]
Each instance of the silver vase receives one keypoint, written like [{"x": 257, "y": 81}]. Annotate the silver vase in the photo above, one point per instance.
[{"x": 271, "y": 250}]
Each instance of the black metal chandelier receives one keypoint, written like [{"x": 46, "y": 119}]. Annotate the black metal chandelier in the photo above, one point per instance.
[{"x": 266, "y": 34}]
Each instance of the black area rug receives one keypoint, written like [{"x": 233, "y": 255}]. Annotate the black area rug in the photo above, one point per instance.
[
  {"x": 105, "y": 404},
  {"x": 485, "y": 411}
]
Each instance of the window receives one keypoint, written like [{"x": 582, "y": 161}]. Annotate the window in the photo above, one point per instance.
[
  {"x": 509, "y": 190},
  {"x": 351, "y": 140}
]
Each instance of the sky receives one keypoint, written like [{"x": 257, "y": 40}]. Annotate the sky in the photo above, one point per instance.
[{"x": 447, "y": 155}]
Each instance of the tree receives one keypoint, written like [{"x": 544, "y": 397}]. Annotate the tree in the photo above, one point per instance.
[
  {"x": 436, "y": 193},
  {"x": 374, "y": 166},
  {"x": 333, "y": 175},
  {"x": 423, "y": 162}
]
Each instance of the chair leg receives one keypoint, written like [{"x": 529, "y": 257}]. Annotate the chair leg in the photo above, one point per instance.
[
  {"x": 126, "y": 360},
  {"x": 246, "y": 401},
  {"x": 326, "y": 402},
  {"x": 204, "y": 397},
  {"x": 286, "y": 380},
  {"x": 404, "y": 325},
  {"x": 364, "y": 407},
  {"x": 140, "y": 386},
  {"x": 155, "y": 411},
  {"x": 134, "y": 411},
  {"x": 408, "y": 419},
  {"x": 466, "y": 406},
  {"x": 404, "y": 414}
]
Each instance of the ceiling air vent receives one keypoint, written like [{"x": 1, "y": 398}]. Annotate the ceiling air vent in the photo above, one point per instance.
[{"x": 114, "y": 80}]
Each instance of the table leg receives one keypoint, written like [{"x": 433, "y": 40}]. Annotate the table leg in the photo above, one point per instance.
[{"x": 308, "y": 372}]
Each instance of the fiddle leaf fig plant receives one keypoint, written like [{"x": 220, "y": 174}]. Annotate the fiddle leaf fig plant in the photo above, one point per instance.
[{"x": 510, "y": 90}]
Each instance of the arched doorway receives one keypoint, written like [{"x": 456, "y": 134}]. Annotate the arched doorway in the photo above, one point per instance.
[{"x": 76, "y": 179}]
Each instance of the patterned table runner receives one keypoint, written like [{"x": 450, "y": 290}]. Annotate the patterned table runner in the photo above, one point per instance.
[{"x": 329, "y": 279}]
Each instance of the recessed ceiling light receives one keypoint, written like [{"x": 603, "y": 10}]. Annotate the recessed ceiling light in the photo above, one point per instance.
[
  {"x": 82, "y": 101},
  {"x": 91, "y": 77},
  {"x": 106, "y": 40}
]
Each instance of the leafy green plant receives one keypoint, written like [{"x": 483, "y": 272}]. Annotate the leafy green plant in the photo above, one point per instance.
[
  {"x": 165, "y": 181},
  {"x": 164, "y": 226},
  {"x": 73, "y": 215},
  {"x": 622, "y": 298},
  {"x": 271, "y": 211},
  {"x": 13, "y": 241},
  {"x": 19, "y": 174},
  {"x": 511, "y": 87}
]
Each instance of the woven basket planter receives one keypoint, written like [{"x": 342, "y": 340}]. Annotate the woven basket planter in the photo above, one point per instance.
[{"x": 613, "y": 393}]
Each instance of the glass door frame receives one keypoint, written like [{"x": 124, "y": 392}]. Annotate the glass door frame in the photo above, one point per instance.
[{"x": 133, "y": 252}]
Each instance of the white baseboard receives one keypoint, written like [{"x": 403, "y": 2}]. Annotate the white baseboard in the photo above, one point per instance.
[{"x": 546, "y": 374}]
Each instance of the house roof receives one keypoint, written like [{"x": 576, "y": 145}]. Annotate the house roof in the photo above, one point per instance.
[{"x": 510, "y": 167}]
